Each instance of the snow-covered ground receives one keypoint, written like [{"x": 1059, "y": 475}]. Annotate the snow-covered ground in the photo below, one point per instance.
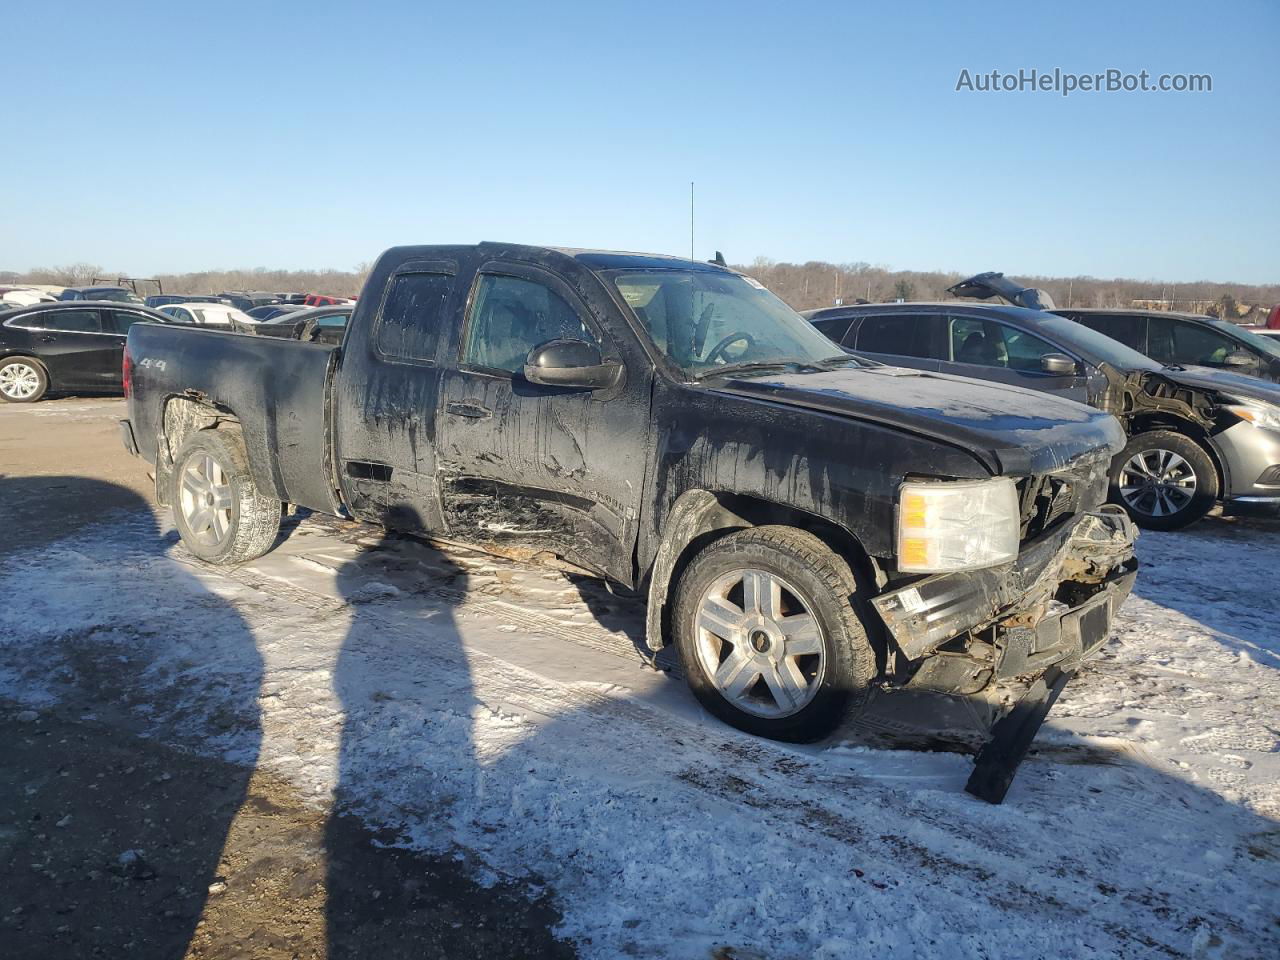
[{"x": 407, "y": 681}]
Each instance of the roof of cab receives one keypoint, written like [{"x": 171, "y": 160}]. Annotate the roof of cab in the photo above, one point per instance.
[{"x": 589, "y": 258}]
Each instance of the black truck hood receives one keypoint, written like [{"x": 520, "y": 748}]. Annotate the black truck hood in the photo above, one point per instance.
[
  {"x": 983, "y": 286},
  {"x": 1010, "y": 430}
]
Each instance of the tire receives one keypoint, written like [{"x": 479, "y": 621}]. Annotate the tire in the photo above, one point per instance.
[
  {"x": 1164, "y": 480},
  {"x": 238, "y": 524},
  {"x": 820, "y": 689},
  {"x": 22, "y": 380}
]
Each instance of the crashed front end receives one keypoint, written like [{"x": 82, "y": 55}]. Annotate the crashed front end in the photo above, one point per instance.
[{"x": 1011, "y": 635}]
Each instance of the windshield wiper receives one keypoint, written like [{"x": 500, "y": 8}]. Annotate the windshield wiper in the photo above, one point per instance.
[
  {"x": 829, "y": 362},
  {"x": 753, "y": 366}
]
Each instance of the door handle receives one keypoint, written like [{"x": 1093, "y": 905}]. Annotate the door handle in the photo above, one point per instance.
[
  {"x": 471, "y": 410},
  {"x": 48, "y": 339}
]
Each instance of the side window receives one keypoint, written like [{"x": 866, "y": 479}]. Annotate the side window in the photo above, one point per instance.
[
  {"x": 1196, "y": 344},
  {"x": 1131, "y": 331},
  {"x": 75, "y": 321},
  {"x": 974, "y": 340},
  {"x": 409, "y": 326},
  {"x": 36, "y": 321},
  {"x": 122, "y": 321},
  {"x": 1025, "y": 350},
  {"x": 986, "y": 343},
  {"x": 1160, "y": 339},
  {"x": 833, "y": 327},
  {"x": 510, "y": 316},
  {"x": 904, "y": 335}
]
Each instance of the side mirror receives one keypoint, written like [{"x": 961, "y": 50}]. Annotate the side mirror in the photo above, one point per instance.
[
  {"x": 1238, "y": 358},
  {"x": 571, "y": 363},
  {"x": 1059, "y": 364}
]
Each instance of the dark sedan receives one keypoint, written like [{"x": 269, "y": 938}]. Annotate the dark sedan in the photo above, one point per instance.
[
  {"x": 1187, "y": 339},
  {"x": 76, "y": 345}
]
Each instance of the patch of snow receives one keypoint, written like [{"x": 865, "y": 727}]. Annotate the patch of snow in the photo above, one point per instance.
[{"x": 474, "y": 704}]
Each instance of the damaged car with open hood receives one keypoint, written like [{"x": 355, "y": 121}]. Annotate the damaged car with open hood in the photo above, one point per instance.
[
  {"x": 807, "y": 527},
  {"x": 1196, "y": 436}
]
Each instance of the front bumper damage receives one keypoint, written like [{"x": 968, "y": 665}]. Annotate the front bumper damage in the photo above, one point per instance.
[{"x": 1014, "y": 635}]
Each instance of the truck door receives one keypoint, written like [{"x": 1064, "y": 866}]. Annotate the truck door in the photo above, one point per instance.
[
  {"x": 533, "y": 467},
  {"x": 385, "y": 397}
]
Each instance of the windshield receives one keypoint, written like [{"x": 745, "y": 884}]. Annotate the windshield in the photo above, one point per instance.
[
  {"x": 707, "y": 321},
  {"x": 1099, "y": 344},
  {"x": 1266, "y": 344},
  {"x": 111, "y": 293}
]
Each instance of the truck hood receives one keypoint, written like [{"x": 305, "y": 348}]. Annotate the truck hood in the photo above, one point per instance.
[
  {"x": 983, "y": 286},
  {"x": 1009, "y": 430}
]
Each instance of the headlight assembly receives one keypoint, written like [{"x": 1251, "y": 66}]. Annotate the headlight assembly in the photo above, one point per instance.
[
  {"x": 950, "y": 525},
  {"x": 1260, "y": 414}
]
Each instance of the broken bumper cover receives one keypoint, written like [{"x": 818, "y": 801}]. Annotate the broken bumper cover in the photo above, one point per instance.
[
  {"x": 1037, "y": 618},
  {"x": 1093, "y": 554}
]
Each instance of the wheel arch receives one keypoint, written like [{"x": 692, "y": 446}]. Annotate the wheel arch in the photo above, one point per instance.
[
  {"x": 699, "y": 517},
  {"x": 185, "y": 414},
  {"x": 13, "y": 353},
  {"x": 1149, "y": 423}
]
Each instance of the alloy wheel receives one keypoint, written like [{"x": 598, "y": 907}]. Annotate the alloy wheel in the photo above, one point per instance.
[
  {"x": 19, "y": 381},
  {"x": 1158, "y": 483},
  {"x": 759, "y": 643},
  {"x": 206, "y": 499}
]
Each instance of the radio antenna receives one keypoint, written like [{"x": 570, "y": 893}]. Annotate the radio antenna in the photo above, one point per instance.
[{"x": 691, "y": 244}]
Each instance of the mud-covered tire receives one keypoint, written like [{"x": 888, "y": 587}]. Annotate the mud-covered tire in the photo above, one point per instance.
[
  {"x": 1179, "y": 485},
  {"x": 22, "y": 380},
  {"x": 242, "y": 523},
  {"x": 811, "y": 578}
]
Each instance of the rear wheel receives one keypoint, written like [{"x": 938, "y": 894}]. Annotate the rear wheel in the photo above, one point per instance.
[
  {"x": 22, "y": 380},
  {"x": 221, "y": 515},
  {"x": 768, "y": 636},
  {"x": 1164, "y": 480}
]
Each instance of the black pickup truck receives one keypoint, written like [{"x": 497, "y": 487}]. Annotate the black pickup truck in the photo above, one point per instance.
[{"x": 806, "y": 525}]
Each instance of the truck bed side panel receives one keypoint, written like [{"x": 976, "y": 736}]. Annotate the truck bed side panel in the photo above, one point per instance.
[{"x": 275, "y": 388}]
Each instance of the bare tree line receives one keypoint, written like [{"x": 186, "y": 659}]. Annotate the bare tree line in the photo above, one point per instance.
[
  {"x": 334, "y": 283},
  {"x": 802, "y": 285},
  {"x": 817, "y": 284}
]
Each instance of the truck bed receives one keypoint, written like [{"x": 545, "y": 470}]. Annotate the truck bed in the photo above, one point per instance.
[{"x": 275, "y": 388}]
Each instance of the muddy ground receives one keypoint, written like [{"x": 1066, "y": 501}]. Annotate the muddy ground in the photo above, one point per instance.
[{"x": 103, "y": 832}]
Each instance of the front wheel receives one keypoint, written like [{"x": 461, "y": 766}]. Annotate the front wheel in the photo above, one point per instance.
[
  {"x": 221, "y": 515},
  {"x": 768, "y": 635},
  {"x": 1165, "y": 480}
]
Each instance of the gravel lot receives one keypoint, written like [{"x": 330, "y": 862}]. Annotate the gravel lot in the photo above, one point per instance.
[{"x": 362, "y": 745}]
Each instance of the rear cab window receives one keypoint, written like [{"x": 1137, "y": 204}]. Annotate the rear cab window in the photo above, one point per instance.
[{"x": 408, "y": 327}]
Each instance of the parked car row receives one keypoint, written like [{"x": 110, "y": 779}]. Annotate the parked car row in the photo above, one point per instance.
[
  {"x": 69, "y": 345},
  {"x": 1197, "y": 436}
]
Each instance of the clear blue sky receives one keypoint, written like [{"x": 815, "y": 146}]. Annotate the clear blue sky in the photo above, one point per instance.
[{"x": 310, "y": 134}]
